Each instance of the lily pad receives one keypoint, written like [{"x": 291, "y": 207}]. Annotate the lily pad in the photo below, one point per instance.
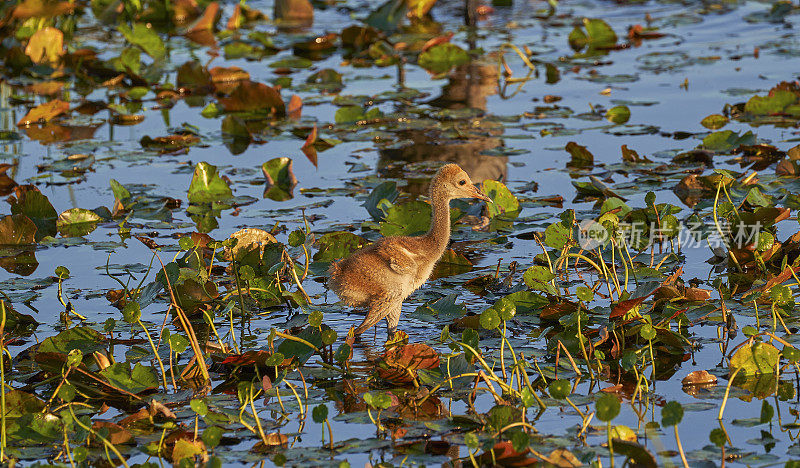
[
  {"x": 207, "y": 186},
  {"x": 77, "y": 222}
]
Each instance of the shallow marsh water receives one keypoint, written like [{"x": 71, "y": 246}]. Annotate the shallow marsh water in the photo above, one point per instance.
[{"x": 711, "y": 54}]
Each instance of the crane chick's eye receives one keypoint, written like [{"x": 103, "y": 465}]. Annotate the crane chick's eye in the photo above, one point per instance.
[{"x": 462, "y": 182}]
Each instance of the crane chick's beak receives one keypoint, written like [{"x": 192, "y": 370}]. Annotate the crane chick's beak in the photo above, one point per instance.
[{"x": 476, "y": 193}]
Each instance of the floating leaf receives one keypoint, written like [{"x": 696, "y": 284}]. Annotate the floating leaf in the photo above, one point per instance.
[
  {"x": 144, "y": 36},
  {"x": 727, "y": 140},
  {"x": 17, "y": 229},
  {"x": 254, "y": 97},
  {"x": 44, "y": 112},
  {"x": 714, "y": 121},
  {"x": 77, "y": 222},
  {"x": 607, "y": 407},
  {"x": 46, "y": 45},
  {"x": 597, "y": 35},
  {"x": 671, "y": 414},
  {"x": 756, "y": 358},
  {"x": 400, "y": 363},
  {"x": 504, "y": 202},
  {"x": 336, "y": 245},
  {"x": 443, "y": 57},
  {"x": 280, "y": 178},
  {"x": 207, "y": 186},
  {"x": 775, "y": 102},
  {"x": 293, "y": 10},
  {"x": 406, "y": 219},
  {"x": 618, "y": 114},
  {"x": 580, "y": 155},
  {"x": 349, "y": 114}
]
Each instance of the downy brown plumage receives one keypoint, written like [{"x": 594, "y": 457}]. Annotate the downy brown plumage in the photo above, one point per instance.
[{"x": 380, "y": 276}]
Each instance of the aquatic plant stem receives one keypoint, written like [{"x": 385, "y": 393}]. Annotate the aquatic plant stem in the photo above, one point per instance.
[
  {"x": 105, "y": 441},
  {"x": 680, "y": 447},
  {"x": 610, "y": 444},
  {"x": 727, "y": 392},
  {"x": 155, "y": 353},
  {"x": 257, "y": 418},
  {"x": 186, "y": 325}
]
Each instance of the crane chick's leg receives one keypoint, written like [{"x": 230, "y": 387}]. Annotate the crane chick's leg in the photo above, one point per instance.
[
  {"x": 394, "y": 317},
  {"x": 377, "y": 311}
]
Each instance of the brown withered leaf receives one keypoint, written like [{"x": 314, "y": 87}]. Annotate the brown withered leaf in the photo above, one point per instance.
[
  {"x": 208, "y": 19},
  {"x": 295, "y": 108},
  {"x": 7, "y": 184},
  {"x": 271, "y": 442},
  {"x": 44, "y": 112},
  {"x": 250, "y": 96},
  {"x": 437, "y": 40},
  {"x": 699, "y": 377},
  {"x": 52, "y": 132},
  {"x": 45, "y": 88},
  {"x": 400, "y": 363},
  {"x": 642, "y": 293},
  {"x": 299, "y": 11},
  {"x": 247, "y": 240},
  {"x": 116, "y": 433}
]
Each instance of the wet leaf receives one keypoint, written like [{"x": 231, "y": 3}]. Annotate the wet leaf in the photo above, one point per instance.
[
  {"x": 254, "y": 97},
  {"x": 756, "y": 358},
  {"x": 46, "y": 45},
  {"x": 671, "y": 414},
  {"x": 714, "y": 121},
  {"x": 207, "y": 186},
  {"x": 597, "y": 34},
  {"x": 77, "y": 222},
  {"x": 17, "y": 229},
  {"x": 142, "y": 35},
  {"x": 618, "y": 114},
  {"x": 580, "y": 155},
  {"x": 607, "y": 407},
  {"x": 442, "y": 57},
  {"x": 776, "y": 101},
  {"x": 293, "y": 10},
  {"x": 336, "y": 245},
  {"x": 44, "y": 112},
  {"x": 280, "y": 178},
  {"x": 700, "y": 377},
  {"x": 406, "y": 219},
  {"x": 504, "y": 202},
  {"x": 349, "y": 114}
]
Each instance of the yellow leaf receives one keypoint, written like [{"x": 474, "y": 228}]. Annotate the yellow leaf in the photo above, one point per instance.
[
  {"x": 46, "y": 45},
  {"x": 44, "y": 112}
]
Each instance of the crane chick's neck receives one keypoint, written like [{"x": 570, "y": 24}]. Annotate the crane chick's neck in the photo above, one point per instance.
[{"x": 439, "y": 232}]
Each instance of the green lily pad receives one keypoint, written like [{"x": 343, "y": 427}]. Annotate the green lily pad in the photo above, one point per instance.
[
  {"x": 757, "y": 358},
  {"x": 77, "y": 222},
  {"x": 207, "y": 186},
  {"x": 441, "y": 58},
  {"x": 280, "y": 178}
]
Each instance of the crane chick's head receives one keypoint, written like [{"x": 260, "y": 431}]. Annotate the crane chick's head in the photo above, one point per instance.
[{"x": 455, "y": 183}]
